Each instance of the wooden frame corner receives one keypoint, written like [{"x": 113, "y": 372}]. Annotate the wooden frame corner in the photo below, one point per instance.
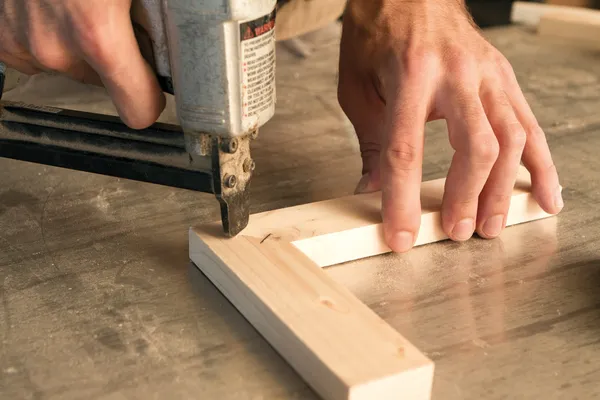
[{"x": 272, "y": 273}]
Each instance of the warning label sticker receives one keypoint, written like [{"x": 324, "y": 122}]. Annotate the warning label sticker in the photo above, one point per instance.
[{"x": 258, "y": 69}]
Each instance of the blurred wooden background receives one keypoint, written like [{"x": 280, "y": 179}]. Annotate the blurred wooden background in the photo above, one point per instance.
[{"x": 574, "y": 3}]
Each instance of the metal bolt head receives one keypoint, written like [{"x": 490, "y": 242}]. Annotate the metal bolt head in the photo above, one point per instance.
[
  {"x": 249, "y": 165},
  {"x": 230, "y": 146},
  {"x": 230, "y": 181}
]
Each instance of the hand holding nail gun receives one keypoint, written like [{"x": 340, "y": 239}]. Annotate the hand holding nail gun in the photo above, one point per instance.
[{"x": 403, "y": 63}]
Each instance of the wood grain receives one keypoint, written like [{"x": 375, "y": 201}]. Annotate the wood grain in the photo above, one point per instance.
[
  {"x": 336, "y": 343},
  {"x": 350, "y": 228},
  {"x": 271, "y": 273}
]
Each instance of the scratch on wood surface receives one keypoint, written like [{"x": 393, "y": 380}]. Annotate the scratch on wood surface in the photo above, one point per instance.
[{"x": 266, "y": 237}]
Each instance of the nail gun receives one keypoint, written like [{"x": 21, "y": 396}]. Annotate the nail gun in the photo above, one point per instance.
[{"x": 217, "y": 57}]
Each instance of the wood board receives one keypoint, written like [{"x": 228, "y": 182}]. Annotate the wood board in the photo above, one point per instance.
[
  {"x": 582, "y": 29},
  {"x": 530, "y": 13},
  {"x": 273, "y": 274},
  {"x": 571, "y": 3}
]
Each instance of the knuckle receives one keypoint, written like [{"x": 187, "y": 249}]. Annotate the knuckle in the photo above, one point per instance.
[
  {"x": 95, "y": 43},
  {"x": 96, "y": 48},
  {"x": 402, "y": 156},
  {"x": 504, "y": 66},
  {"x": 369, "y": 149},
  {"x": 461, "y": 62},
  {"x": 514, "y": 137},
  {"x": 86, "y": 30},
  {"x": 418, "y": 58},
  {"x": 49, "y": 56},
  {"x": 484, "y": 149},
  {"x": 535, "y": 131}
]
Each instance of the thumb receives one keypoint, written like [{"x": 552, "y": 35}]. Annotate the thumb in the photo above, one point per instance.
[
  {"x": 370, "y": 181},
  {"x": 365, "y": 111},
  {"x": 114, "y": 54}
]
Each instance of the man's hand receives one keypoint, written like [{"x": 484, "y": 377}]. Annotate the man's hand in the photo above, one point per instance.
[
  {"x": 92, "y": 41},
  {"x": 406, "y": 62}
]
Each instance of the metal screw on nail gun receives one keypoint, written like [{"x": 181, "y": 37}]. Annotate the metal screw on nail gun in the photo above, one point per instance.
[
  {"x": 230, "y": 181},
  {"x": 249, "y": 165},
  {"x": 230, "y": 146}
]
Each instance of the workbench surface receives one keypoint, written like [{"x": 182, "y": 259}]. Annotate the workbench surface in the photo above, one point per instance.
[{"x": 98, "y": 299}]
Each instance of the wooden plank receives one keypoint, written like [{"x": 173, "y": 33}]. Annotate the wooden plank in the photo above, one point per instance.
[
  {"x": 336, "y": 343},
  {"x": 530, "y": 14},
  {"x": 272, "y": 274},
  {"x": 571, "y": 3},
  {"x": 300, "y": 17},
  {"x": 350, "y": 228},
  {"x": 583, "y": 28}
]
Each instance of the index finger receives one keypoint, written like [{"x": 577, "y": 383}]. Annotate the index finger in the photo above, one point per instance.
[
  {"x": 401, "y": 163},
  {"x": 110, "y": 46}
]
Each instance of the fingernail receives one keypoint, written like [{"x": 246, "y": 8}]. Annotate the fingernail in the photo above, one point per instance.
[
  {"x": 558, "y": 200},
  {"x": 464, "y": 229},
  {"x": 362, "y": 184},
  {"x": 402, "y": 241},
  {"x": 493, "y": 226}
]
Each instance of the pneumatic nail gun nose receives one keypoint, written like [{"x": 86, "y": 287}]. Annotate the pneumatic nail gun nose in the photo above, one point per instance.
[{"x": 217, "y": 57}]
